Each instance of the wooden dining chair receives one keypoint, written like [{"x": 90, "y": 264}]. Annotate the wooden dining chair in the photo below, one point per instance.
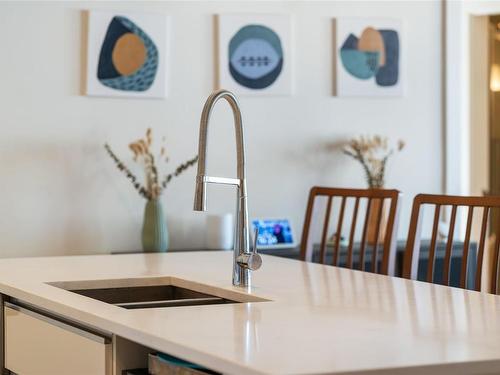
[
  {"x": 385, "y": 235},
  {"x": 411, "y": 257}
]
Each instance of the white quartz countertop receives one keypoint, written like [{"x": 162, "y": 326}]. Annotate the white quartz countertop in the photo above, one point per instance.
[{"x": 319, "y": 319}]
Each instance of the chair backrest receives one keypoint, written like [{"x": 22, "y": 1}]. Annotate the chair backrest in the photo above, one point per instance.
[
  {"x": 375, "y": 203},
  {"x": 412, "y": 252}
]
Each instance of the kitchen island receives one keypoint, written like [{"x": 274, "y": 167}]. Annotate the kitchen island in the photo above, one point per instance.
[{"x": 298, "y": 318}]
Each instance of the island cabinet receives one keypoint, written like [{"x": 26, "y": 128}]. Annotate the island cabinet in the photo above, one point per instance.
[{"x": 37, "y": 342}]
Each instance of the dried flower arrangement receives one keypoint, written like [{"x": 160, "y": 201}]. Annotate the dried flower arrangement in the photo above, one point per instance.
[
  {"x": 372, "y": 152},
  {"x": 142, "y": 153}
]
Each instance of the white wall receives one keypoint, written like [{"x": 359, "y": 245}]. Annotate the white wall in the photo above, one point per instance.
[{"x": 61, "y": 194}]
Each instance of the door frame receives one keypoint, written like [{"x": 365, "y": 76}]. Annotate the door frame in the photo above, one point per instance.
[{"x": 457, "y": 94}]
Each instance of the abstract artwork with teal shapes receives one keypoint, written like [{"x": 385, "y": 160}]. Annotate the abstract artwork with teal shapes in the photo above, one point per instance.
[
  {"x": 126, "y": 54},
  {"x": 254, "y": 54},
  {"x": 368, "y": 57}
]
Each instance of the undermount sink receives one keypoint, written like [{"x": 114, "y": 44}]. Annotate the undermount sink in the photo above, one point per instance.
[
  {"x": 144, "y": 293},
  {"x": 141, "y": 297}
]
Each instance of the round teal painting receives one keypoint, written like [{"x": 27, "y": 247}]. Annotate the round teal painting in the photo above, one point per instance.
[{"x": 255, "y": 56}]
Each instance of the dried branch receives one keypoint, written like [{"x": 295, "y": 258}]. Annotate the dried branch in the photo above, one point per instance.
[
  {"x": 373, "y": 154},
  {"x": 141, "y": 150},
  {"x": 180, "y": 169},
  {"x": 122, "y": 167}
]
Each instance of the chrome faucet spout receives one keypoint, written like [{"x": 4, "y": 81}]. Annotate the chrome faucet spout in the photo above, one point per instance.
[{"x": 244, "y": 260}]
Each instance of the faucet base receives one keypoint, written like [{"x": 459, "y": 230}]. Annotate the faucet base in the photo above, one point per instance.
[{"x": 242, "y": 277}]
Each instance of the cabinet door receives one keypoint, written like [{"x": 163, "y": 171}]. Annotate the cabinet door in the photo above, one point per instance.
[{"x": 36, "y": 344}]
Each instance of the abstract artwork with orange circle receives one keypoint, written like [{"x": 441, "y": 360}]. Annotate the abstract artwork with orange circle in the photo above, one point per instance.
[{"x": 126, "y": 54}]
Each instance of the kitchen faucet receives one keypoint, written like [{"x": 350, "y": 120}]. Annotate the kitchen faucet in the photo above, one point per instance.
[{"x": 244, "y": 260}]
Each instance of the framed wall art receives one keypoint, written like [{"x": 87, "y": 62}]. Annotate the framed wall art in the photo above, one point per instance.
[
  {"x": 369, "y": 57},
  {"x": 254, "y": 53},
  {"x": 126, "y": 54}
]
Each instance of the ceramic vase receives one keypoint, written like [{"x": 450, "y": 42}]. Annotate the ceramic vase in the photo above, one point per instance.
[
  {"x": 371, "y": 230},
  {"x": 154, "y": 229}
]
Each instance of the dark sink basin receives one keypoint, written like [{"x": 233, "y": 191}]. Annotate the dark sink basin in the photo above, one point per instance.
[{"x": 141, "y": 297}]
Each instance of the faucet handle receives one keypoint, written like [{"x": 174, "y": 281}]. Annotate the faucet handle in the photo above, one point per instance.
[
  {"x": 251, "y": 260},
  {"x": 255, "y": 237}
]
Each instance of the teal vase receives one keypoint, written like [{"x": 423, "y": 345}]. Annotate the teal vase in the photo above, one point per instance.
[{"x": 154, "y": 229}]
